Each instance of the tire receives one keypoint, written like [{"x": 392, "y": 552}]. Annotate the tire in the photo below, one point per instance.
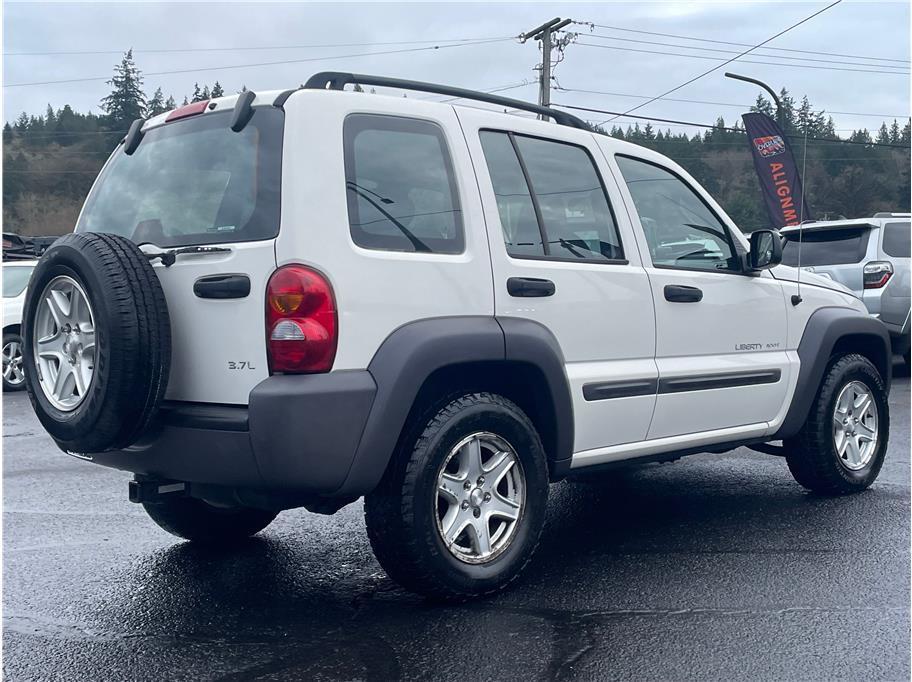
[
  {"x": 813, "y": 457},
  {"x": 206, "y": 524},
  {"x": 403, "y": 515},
  {"x": 13, "y": 369},
  {"x": 128, "y": 368},
  {"x": 907, "y": 358}
]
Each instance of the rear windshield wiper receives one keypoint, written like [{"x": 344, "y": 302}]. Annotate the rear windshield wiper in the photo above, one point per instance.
[{"x": 169, "y": 256}]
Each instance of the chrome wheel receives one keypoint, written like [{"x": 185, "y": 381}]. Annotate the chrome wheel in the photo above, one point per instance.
[
  {"x": 64, "y": 343},
  {"x": 855, "y": 426},
  {"x": 480, "y": 497},
  {"x": 13, "y": 374}
]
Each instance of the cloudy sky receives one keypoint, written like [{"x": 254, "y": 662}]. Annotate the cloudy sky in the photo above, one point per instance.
[{"x": 852, "y": 59}]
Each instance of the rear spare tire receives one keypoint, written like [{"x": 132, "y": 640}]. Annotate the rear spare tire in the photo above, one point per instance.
[{"x": 98, "y": 342}]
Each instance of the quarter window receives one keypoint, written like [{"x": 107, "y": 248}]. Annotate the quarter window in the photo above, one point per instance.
[
  {"x": 680, "y": 229},
  {"x": 896, "y": 239},
  {"x": 400, "y": 185},
  {"x": 550, "y": 199}
]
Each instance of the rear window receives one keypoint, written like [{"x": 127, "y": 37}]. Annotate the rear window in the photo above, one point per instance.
[
  {"x": 15, "y": 279},
  {"x": 896, "y": 239},
  {"x": 193, "y": 182},
  {"x": 826, "y": 247}
]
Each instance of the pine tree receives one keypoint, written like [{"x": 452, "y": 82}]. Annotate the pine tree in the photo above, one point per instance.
[
  {"x": 216, "y": 91},
  {"x": 157, "y": 103},
  {"x": 894, "y": 132},
  {"x": 787, "y": 104},
  {"x": 50, "y": 119},
  {"x": 764, "y": 106},
  {"x": 126, "y": 102},
  {"x": 906, "y": 135},
  {"x": 883, "y": 135},
  {"x": 204, "y": 95},
  {"x": 185, "y": 102},
  {"x": 169, "y": 103},
  {"x": 197, "y": 94}
]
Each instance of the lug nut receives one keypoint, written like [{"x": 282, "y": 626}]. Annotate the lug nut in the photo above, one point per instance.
[
  {"x": 481, "y": 480},
  {"x": 487, "y": 497},
  {"x": 477, "y": 512},
  {"x": 465, "y": 504},
  {"x": 467, "y": 485}
]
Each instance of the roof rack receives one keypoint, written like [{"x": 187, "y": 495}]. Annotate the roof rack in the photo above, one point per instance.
[{"x": 337, "y": 80}]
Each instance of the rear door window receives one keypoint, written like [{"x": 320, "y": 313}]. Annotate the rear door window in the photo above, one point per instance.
[
  {"x": 401, "y": 185},
  {"x": 550, "y": 198},
  {"x": 193, "y": 181},
  {"x": 896, "y": 239},
  {"x": 826, "y": 247}
]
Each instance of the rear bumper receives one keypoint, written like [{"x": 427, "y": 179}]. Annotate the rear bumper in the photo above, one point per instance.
[{"x": 299, "y": 434}]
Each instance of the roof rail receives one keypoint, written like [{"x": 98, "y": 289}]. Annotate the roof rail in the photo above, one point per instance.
[{"x": 337, "y": 80}]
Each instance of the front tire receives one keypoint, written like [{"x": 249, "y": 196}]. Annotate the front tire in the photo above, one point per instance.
[
  {"x": 207, "y": 524},
  {"x": 460, "y": 509},
  {"x": 13, "y": 369},
  {"x": 841, "y": 447}
]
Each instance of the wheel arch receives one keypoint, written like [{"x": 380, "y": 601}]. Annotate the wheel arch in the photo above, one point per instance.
[
  {"x": 424, "y": 362},
  {"x": 12, "y": 329},
  {"x": 829, "y": 333}
]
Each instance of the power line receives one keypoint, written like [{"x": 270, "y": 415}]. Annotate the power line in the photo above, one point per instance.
[
  {"x": 247, "y": 66},
  {"x": 720, "y": 104},
  {"x": 726, "y": 42},
  {"x": 772, "y": 56},
  {"x": 742, "y": 61},
  {"x": 719, "y": 66},
  {"x": 250, "y": 48},
  {"x": 726, "y": 128}
]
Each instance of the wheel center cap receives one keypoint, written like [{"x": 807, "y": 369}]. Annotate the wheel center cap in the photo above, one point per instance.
[{"x": 476, "y": 497}]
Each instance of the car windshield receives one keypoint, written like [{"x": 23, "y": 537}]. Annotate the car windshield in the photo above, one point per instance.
[
  {"x": 193, "y": 182},
  {"x": 15, "y": 279},
  {"x": 826, "y": 247}
]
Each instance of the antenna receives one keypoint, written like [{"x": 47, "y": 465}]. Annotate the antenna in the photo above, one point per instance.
[{"x": 796, "y": 299}]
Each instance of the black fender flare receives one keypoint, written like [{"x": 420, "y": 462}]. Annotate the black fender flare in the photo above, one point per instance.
[
  {"x": 414, "y": 351},
  {"x": 824, "y": 329}
]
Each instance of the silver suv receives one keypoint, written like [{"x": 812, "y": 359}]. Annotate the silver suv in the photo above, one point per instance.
[{"x": 870, "y": 256}]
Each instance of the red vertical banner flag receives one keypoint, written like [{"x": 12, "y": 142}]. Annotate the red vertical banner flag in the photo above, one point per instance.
[{"x": 780, "y": 181}]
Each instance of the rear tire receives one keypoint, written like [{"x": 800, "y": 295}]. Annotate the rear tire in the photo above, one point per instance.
[
  {"x": 429, "y": 491},
  {"x": 206, "y": 524},
  {"x": 814, "y": 456}
]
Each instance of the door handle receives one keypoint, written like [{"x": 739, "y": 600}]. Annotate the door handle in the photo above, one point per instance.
[
  {"x": 530, "y": 287},
  {"x": 678, "y": 293},
  {"x": 222, "y": 286}
]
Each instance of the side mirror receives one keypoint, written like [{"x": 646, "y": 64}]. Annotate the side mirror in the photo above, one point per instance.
[{"x": 765, "y": 250}]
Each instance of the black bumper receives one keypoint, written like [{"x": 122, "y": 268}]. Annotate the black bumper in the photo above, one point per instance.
[{"x": 299, "y": 434}]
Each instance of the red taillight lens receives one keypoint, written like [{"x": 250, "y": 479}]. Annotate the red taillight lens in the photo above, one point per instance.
[
  {"x": 877, "y": 274},
  {"x": 301, "y": 322}
]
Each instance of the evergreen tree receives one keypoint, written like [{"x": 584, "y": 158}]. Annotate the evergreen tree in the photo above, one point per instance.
[
  {"x": 894, "y": 132},
  {"x": 126, "y": 102},
  {"x": 50, "y": 118},
  {"x": 197, "y": 94},
  {"x": 169, "y": 103},
  {"x": 185, "y": 102},
  {"x": 883, "y": 135},
  {"x": 764, "y": 106},
  {"x": 204, "y": 95},
  {"x": 906, "y": 135},
  {"x": 216, "y": 91},
  {"x": 157, "y": 103},
  {"x": 787, "y": 102}
]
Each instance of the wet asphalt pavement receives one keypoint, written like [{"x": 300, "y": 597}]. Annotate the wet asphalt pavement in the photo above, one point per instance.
[{"x": 714, "y": 567}]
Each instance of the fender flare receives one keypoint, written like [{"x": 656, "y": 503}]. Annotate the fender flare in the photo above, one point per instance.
[
  {"x": 824, "y": 329},
  {"x": 414, "y": 351}
]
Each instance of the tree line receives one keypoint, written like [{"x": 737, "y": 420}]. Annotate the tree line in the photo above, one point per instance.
[{"x": 51, "y": 160}]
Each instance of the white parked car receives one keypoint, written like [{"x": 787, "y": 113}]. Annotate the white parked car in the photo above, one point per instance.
[
  {"x": 299, "y": 298},
  {"x": 15, "y": 282}
]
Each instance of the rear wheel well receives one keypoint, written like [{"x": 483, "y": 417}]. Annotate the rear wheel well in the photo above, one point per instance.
[
  {"x": 869, "y": 346},
  {"x": 11, "y": 329},
  {"x": 520, "y": 382}
]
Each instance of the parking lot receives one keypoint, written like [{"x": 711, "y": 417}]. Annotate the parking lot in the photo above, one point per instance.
[{"x": 717, "y": 566}]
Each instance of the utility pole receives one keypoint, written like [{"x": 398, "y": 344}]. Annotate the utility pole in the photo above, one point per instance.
[{"x": 543, "y": 33}]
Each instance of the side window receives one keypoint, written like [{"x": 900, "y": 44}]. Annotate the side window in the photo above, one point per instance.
[
  {"x": 550, "y": 198},
  {"x": 896, "y": 239},
  {"x": 681, "y": 230},
  {"x": 401, "y": 185}
]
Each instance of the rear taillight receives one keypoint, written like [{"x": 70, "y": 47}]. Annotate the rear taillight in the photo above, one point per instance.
[
  {"x": 877, "y": 274},
  {"x": 301, "y": 322}
]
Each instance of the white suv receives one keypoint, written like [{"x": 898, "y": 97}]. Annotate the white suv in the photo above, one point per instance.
[{"x": 300, "y": 298}]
